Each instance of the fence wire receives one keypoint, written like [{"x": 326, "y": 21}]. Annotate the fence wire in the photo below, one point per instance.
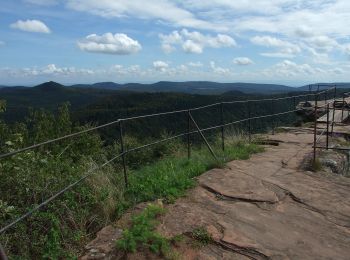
[{"x": 94, "y": 169}]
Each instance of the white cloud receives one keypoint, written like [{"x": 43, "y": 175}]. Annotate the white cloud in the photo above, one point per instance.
[
  {"x": 288, "y": 68},
  {"x": 42, "y": 2},
  {"x": 31, "y": 26},
  {"x": 322, "y": 42},
  {"x": 120, "y": 70},
  {"x": 160, "y": 65},
  {"x": 238, "y": 6},
  {"x": 190, "y": 46},
  {"x": 167, "y": 48},
  {"x": 277, "y": 55},
  {"x": 319, "y": 17},
  {"x": 118, "y": 43},
  {"x": 50, "y": 70},
  {"x": 194, "y": 42},
  {"x": 304, "y": 31},
  {"x": 195, "y": 64},
  {"x": 284, "y": 48},
  {"x": 219, "y": 70},
  {"x": 242, "y": 61},
  {"x": 346, "y": 48},
  {"x": 165, "y": 10}
]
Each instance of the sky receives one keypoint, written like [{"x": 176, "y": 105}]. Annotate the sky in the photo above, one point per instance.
[{"x": 292, "y": 42}]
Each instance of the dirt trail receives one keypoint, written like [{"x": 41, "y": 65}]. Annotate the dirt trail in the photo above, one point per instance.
[{"x": 266, "y": 207}]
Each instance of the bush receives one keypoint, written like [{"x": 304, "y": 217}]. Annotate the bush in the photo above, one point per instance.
[{"x": 32, "y": 176}]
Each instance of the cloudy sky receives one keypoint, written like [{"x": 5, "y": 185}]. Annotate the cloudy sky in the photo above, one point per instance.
[{"x": 291, "y": 42}]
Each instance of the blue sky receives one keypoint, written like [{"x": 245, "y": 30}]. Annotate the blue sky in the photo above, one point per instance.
[{"x": 84, "y": 41}]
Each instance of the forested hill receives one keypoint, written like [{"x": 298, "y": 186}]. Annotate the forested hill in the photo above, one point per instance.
[
  {"x": 193, "y": 87},
  {"x": 98, "y": 105},
  {"x": 48, "y": 96},
  {"x": 89, "y": 101}
]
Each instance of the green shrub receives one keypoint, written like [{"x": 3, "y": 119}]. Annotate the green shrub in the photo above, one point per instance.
[
  {"x": 202, "y": 236},
  {"x": 142, "y": 234}
]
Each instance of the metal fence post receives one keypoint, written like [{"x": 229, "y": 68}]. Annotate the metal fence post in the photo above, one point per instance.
[
  {"x": 342, "y": 108},
  {"x": 188, "y": 134},
  {"x": 222, "y": 127},
  {"x": 203, "y": 137},
  {"x": 310, "y": 87},
  {"x": 122, "y": 150},
  {"x": 327, "y": 136},
  {"x": 273, "y": 119},
  {"x": 333, "y": 117},
  {"x": 315, "y": 129},
  {"x": 249, "y": 122}
]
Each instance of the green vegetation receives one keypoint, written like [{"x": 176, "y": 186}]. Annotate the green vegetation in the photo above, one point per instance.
[
  {"x": 202, "y": 236},
  {"x": 142, "y": 234},
  {"x": 170, "y": 177},
  {"x": 66, "y": 224}
]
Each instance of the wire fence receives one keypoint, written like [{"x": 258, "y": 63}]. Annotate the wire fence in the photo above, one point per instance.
[
  {"x": 330, "y": 107},
  {"x": 187, "y": 134}
]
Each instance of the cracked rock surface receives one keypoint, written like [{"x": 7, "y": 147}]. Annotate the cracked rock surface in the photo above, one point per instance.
[{"x": 267, "y": 207}]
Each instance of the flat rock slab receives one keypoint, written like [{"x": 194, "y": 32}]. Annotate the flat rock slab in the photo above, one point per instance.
[{"x": 267, "y": 207}]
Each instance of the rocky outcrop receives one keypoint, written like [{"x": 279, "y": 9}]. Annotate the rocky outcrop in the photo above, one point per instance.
[{"x": 267, "y": 207}]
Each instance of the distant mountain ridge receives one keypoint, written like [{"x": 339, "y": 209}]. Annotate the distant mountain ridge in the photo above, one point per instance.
[
  {"x": 189, "y": 87},
  {"x": 192, "y": 87},
  {"x": 112, "y": 97}
]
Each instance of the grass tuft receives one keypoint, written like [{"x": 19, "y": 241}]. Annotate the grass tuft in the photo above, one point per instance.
[
  {"x": 142, "y": 234},
  {"x": 202, "y": 236}
]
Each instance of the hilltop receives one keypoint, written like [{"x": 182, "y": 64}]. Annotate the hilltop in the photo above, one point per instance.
[{"x": 193, "y": 87}]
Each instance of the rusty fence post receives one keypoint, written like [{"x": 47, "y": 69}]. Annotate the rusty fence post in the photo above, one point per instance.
[
  {"x": 222, "y": 127},
  {"x": 327, "y": 136},
  {"x": 315, "y": 129},
  {"x": 122, "y": 150},
  {"x": 188, "y": 134}
]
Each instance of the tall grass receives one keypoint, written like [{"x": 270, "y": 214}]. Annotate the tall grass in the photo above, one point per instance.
[
  {"x": 61, "y": 230},
  {"x": 171, "y": 176}
]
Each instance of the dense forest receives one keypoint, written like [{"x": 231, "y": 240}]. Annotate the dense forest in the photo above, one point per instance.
[{"x": 98, "y": 106}]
